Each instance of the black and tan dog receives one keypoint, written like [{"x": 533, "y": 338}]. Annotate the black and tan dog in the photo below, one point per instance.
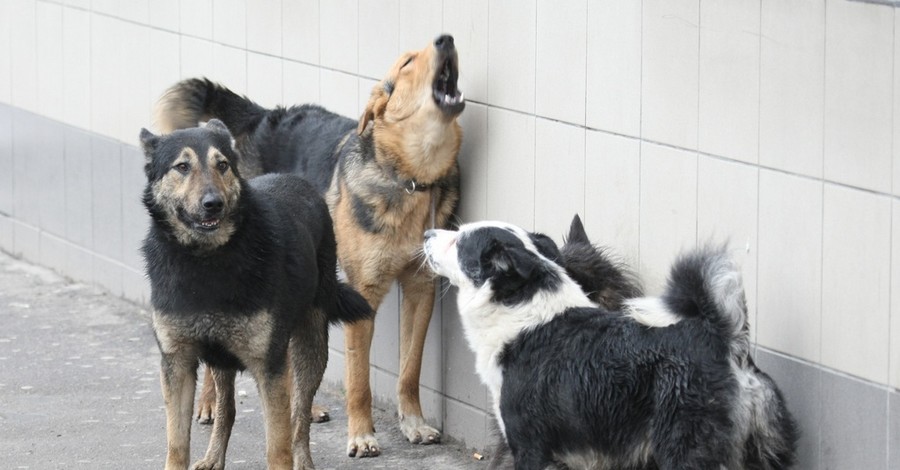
[
  {"x": 387, "y": 177},
  {"x": 243, "y": 276}
]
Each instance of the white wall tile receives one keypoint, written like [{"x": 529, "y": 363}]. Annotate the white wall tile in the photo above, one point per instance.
[
  {"x": 467, "y": 21},
  {"x": 792, "y": 85},
  {"x": 165, "y": 55},
  {"x": 729, "y": 79},
  {"x": 264, "y": 79},
  {"x": 894, "y": 359},
  {"x": 5, "y": 52},
  {"x": 511, "y": 167},
  {"x": 197, "y": 18},
  {"x": 23, "y": 59},
  {"x": 511, "y": 54},
  {"x": 300, "y": 30},
  {"x": 338, "y": 35},
  {"x": 561, "y": 60},
  {"x": 80, "y": 4},
  {"x": 612, "y": 193},
  {"x": 106, "y": 7},
  {"x": 420, "y": 23},
  {"x": 77, "y": 103},
  {"x": 165, "y": 14},
  {"x": 668, "y": 210},
  {"x": 264, "y": 26},
  {"x": 727, "y": 211},
  {"x": 230, "y": 22},
  {"x": 379, "y": 37},
  {"x": 669, "y": 71},
  {"x": 106, "y": 75},
  {"x": 300, "y": 84},
  {"x": 196, "y": 58},
  {"x": 858, "y": 58},
  {"x": 856, "y": 282},
  {"x": 230, "y": 68},
  {"x": 50, "y": 60},
  {"x": 366, "y": 86},
  {"x": 896, "y": 122},
  {"x": 137, "y": 11},
  {"x": 789, "y": 290},
  {"x": 136, "y": 106},
  {"x": 339, "y": 92},
  {"x": 473, "y": 163},
  {"x": 614, "y": 66},
  {"x": 559, "y": 176}
]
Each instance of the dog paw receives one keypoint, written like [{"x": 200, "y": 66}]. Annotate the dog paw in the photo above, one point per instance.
[
  {"x": 319, "y": 414},
  {"x": 417, "y": 431},
  {"x": 204, "y": 413},
  {"x": 363, "y": 446},
  {"x": 208, "y": 464}
]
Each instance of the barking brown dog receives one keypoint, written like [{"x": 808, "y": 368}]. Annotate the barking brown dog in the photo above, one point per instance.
[{"x": 387, "y": 177}]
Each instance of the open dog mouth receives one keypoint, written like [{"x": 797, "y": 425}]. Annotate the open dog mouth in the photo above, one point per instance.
[
  {"x": 446, "y": 95},
  {"x": 203, "y": 223}
]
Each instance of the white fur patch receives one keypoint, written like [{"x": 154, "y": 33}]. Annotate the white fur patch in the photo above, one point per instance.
[{"x": 651, "y": 311}]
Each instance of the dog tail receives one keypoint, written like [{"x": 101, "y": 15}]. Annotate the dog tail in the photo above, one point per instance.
[
  {"x": 191, "y": 101},
  {"x": 606, "y": 281},
  {"x": 350, "y": 306},
  {"x": 706, "y": 283}
]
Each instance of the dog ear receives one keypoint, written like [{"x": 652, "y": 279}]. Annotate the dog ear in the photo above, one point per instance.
[
  {"x": 577, "y": 234},
  {"x": 546, "y": 246},
  {"x": 513, "y": 261},
  {"x": 218, "y": 126},
  {"x": 149, "y": 141},
  {"x": 378, "y": 101}
]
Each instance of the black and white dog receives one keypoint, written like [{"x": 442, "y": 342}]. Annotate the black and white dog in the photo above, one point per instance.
[{"x": 663, "y": 382}]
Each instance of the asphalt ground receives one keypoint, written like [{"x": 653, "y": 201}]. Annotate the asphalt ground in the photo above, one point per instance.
[{"x": 79, "y": 388}]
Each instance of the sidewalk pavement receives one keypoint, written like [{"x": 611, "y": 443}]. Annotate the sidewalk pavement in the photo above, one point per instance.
[{"x": 79, "y": 388}]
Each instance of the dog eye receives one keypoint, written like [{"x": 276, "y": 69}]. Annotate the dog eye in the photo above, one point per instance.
[
  {"x": 222, "y": 166},
  {"x": 408, "y": 61},
  {"x": 182, "y": 167}
]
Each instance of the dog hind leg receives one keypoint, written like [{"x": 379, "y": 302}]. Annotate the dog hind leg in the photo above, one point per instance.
[
  {"x": 415, "y": 315},
  {"x": 206, "y": 404},
  {"x": 224, "y": 419},
  {"x": 360, "y": 426},
  {"x": 274, "y": 393}
]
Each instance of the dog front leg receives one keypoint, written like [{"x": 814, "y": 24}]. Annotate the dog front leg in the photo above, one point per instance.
[
  {"x": 415, "y": 315},
  {"x": 274, "y": 393},
  {"x": 224, "y": 419},
  {"x": 178, "y": 376},
  {"x": 360, "y": 426}
]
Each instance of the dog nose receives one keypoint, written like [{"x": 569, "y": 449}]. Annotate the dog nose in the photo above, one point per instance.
[
  {"x": 212, "y": 202},
  {"x": 444, "y": 42},
  {"x": 430, "y": 234}
]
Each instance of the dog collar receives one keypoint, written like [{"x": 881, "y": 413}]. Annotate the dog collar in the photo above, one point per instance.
[{"x": 412, "y": 186}]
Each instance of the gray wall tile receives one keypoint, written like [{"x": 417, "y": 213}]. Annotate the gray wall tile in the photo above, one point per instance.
[
  {"x": 51, "y": 167},
  {"x": 26, "y": 241},
  {"x": 6, "y": 160},
  {"x": 459, "y": 360},
  {"x": 468, "y": 424},
  {"x": 135, "y": 219},
  {"x": 108, "y": 274},
  {"x": 26, "y": 191},
  {"x": 6, "y": 233},
  {"x": 53, "y": 252},
  {"x": 853, "y": 424},
  {"x": 801, "y": 387},
  {"x": 135, "y": 286},
  {"x": 894, "y": 429},
  {"x": 79, "y": 200},
  {"x": 79, "y": 263},
  {"x": 107, "y": 198},
  {"x": 385, "y": 352}
]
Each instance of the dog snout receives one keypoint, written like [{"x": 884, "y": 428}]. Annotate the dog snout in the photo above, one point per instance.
[
  {"x": 430, "y": 234},
  {"x": 212, "y": 202},
  {"x": 444, "y": 43}
]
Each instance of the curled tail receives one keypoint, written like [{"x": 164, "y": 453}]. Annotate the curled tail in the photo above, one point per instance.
[
  {"x": 190, "y": 101},
  {"x": 350, "y": 306},
  {"x": 706, "y": 283}
]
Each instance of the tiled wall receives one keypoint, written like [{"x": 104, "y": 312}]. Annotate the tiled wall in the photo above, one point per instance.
[{"x": 664, "y": 123}]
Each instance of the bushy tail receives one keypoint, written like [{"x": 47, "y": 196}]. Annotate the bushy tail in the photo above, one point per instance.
[
  {"x": 351, "y": 306},
  {"x": 706, "y": 283},
  {"x": 191, "y": 101}
]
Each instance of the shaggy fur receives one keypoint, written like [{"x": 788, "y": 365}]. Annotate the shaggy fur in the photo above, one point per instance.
[
  {"x": 387, "y": 177},
  {"x": 588, "y": 387},
  {"x": 243, "y": 276}
]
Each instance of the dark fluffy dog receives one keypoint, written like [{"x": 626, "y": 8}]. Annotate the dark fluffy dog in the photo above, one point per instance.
[
  {"x": 387, "y": 177},
  {"x": 243, "y": 276},
  {"x": 656, "y": 383}
]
